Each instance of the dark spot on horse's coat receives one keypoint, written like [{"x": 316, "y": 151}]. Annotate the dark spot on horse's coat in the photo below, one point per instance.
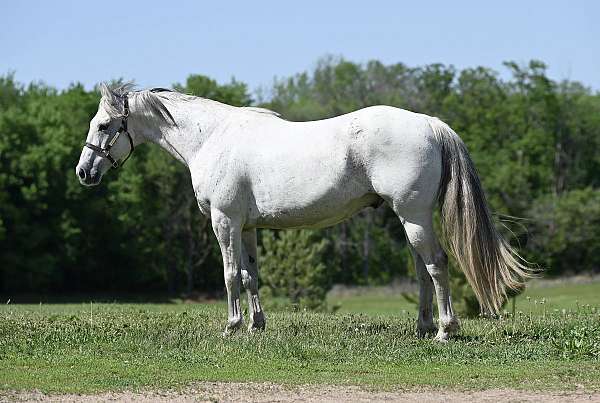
[{"x": 251, "y": 259}]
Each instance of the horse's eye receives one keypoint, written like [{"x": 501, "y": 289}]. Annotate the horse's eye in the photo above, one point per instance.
[{"x": 102, "y": 127}]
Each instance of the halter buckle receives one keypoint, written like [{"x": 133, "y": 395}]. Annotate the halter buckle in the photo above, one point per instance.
[{"x": 113, "y": 140}]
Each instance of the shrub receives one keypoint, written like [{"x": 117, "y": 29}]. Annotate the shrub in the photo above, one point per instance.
[
  {"x": 291, "y": 266},
  {"x": 566, "y": 231}
]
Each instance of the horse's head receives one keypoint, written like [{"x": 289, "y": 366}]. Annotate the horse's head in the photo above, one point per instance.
[{"x": 108, "y": 140}]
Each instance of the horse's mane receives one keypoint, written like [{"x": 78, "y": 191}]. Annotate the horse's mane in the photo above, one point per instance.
[
  {"x": 261, "y": 110},
  {"x": 151, "y": 101}
]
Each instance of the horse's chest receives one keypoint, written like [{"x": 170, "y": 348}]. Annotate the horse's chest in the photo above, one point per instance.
[{"x": 203, "y": 204}]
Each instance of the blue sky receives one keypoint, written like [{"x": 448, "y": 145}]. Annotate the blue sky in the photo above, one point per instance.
[{"x": 159, "y": 43}]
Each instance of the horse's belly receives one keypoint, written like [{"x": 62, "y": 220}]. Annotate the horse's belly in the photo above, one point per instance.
[{"x": 317, "y": 215}]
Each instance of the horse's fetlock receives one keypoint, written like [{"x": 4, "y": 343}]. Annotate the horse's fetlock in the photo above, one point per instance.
[
  {"x": 450, "y": 325},
  {"x": 233, "y": 324},
  {"x": 423, "y": 329},
  {"x": 257, "y": 322}
]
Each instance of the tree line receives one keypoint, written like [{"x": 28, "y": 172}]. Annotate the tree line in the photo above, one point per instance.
[{"x": 534, "y": 141}]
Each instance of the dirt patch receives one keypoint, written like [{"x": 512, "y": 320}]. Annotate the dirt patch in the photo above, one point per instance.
[{"x": 267, "y": 392}]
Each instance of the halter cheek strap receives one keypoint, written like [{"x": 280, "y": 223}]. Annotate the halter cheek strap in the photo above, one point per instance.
[{"x": 105, "y": 151}]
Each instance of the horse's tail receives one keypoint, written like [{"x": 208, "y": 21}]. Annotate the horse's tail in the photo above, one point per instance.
[{"x": 490, "y": 264}]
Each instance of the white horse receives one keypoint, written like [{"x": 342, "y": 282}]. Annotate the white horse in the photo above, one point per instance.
[{"x": 251, "y": 169}]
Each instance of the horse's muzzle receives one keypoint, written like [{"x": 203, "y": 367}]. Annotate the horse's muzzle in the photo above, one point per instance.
[{"x": 86, "y": 178}]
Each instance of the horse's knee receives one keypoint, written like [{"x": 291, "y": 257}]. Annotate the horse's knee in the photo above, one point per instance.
[
  {"x": 232, "y": 278},
  {"x": 249, "y": 282},
  {"x": 245, "y": 278}
]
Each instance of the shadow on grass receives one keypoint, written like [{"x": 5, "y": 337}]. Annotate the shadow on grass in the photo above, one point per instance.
[{"x": 467, "y": 338}]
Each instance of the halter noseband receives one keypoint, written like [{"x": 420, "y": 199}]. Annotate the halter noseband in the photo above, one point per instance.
[{"x": 105, "y": 151}]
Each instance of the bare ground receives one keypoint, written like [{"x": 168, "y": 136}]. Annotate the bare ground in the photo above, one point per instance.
[{"x": 268, "y": 392}]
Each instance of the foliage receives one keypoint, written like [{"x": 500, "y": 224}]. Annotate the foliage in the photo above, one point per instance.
[
  {"x": 530, "y": 137},
  {"x": 58, "y": 236},
  {"x": 291, "y": 265},
  {"x": 533, "y": 140},
  {"x": 234, "y": 93},
  {"x": 566, "y": 230},
  {"x": 577, "y": 341}
]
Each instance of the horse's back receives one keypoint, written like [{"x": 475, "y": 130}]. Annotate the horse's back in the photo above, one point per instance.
[{"x": 314, "y": 174}]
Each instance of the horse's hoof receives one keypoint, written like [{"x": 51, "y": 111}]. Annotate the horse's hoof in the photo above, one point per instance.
[
  {"x": 228, "y": 332},
  {"x": 256, "y": 327},
  {"x": 257, "y": 322},
  {"x": 232, "y": 327},
  {"x": 441, "y": 336},
  {"x": 426, "y": 330},
  {"x": 447, "y": 329}
]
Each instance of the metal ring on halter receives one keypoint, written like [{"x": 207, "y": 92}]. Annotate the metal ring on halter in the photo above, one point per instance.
[{"x": 105, "y": 152}]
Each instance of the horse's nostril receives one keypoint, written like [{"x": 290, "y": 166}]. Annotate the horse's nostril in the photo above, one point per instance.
[{"x": 81, "y": 173}]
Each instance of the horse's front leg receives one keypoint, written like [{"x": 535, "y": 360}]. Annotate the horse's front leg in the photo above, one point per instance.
[
  {"x": 250, "y": 280},
  {"x": 228, "y": 233}
]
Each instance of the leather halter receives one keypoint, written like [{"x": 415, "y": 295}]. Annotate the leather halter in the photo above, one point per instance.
[{"x": 105, "y": 151}]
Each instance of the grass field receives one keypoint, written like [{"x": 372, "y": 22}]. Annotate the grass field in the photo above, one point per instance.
[
  {"x": 540, "y": 297},
  {"x": 101, "y": 347}
]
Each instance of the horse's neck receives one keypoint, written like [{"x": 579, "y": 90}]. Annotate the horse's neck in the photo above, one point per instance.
[{"x": 196, "y": 121}]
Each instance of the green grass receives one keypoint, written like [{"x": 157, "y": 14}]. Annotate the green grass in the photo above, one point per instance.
[
  {"x": 373, "y": 303},
  {"x": 87, "y": 348},
  {"x": 570, "y": 297},
  {"x": 536, "y": 299}
]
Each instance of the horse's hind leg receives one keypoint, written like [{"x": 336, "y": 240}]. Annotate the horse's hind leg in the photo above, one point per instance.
[
  {"x": 425, "y": 322},
  {"x": 250, "y": 280},
  {"x": 420, "y": 234}
]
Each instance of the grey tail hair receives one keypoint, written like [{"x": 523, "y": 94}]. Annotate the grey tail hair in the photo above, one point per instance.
[{"x": 489, "y": 263}]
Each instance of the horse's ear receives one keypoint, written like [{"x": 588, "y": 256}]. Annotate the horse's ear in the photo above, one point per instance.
[{"x": 105, "y": 91}]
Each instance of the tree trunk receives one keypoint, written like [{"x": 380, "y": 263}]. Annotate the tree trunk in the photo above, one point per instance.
[
  {"x": 171, "y": 260},
  {"x": 343, "y": 245},
  {"x": 367, "y": 244}
]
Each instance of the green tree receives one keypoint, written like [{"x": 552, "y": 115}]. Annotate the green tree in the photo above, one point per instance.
[
  {"x": 533, "y": 140},
  {"x": 291, "y": 264},
  {"x": 566, "y": 231}
]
